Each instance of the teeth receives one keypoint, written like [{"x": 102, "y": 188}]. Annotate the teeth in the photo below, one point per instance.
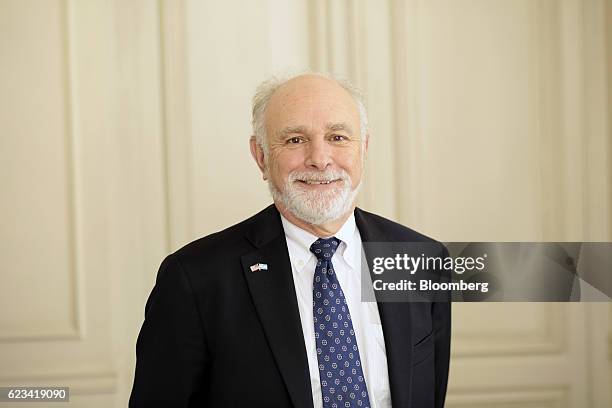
[{"x": 317, "y": 182}]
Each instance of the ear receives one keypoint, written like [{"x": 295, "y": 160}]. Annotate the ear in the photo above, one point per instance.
[
  {"x": 365, "y": 144},
  {"x": 258, "y": 155}
]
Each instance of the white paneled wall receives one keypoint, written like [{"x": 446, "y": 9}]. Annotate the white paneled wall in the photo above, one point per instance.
[{"x": 124, "y": 131}]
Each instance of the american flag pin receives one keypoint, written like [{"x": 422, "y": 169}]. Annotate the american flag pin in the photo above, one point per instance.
[{"x": 259, "y": 267}]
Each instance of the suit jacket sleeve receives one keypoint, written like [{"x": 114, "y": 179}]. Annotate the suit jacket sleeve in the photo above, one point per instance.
[
  {"x": 441, "y": 311},
  {"x": 171, "y": 354}
]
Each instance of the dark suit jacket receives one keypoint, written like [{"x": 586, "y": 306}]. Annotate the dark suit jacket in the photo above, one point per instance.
[{"x": 216, "y": 334}]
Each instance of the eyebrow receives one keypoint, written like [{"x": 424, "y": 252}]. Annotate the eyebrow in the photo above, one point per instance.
[
  {"x": 332, "y": 127},
  {"x": 293, "y": 129},
  {"x": 335, "y": 127}
]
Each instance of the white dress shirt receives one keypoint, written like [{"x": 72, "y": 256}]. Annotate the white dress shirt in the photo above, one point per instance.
[{"x": 365, "y": 317}]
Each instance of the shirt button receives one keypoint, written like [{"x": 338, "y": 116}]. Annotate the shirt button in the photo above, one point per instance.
[{"x": 300, "y": 263}]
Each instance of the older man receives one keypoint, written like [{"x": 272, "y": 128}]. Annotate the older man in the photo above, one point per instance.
[{"x": 268, "y": 313}]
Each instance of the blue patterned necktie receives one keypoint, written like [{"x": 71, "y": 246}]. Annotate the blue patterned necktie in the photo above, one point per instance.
[{"x": 342, "y": 380}]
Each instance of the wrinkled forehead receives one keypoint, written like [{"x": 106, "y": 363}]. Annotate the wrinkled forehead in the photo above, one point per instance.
[{"x": 310, "y": 102}]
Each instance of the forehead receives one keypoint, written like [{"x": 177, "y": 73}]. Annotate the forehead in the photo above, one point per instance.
[{"x": 311, "y": 102}]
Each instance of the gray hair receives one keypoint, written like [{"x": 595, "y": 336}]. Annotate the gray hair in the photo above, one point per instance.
[{"x": 267, "y": 88}]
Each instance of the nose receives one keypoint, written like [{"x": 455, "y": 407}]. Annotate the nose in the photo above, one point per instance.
[{"x": 318, "y": 155}]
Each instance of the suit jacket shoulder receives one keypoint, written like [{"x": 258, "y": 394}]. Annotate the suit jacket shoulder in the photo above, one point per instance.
[
  {"x": 231, "y": 239},
  {"x": 377, "y": 228},
  {"x": 205, "y": 257}
]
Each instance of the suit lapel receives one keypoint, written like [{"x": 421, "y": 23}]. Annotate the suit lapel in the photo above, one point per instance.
[
  {"x": 396, "y": 324},
  {"x": 273, "y": 295}
]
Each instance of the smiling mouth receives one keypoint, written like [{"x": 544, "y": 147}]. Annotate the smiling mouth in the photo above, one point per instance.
[{"x": 317, "y": 182}]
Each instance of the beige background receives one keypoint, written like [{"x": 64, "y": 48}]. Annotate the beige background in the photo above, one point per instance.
[{"x": 123, "y": 136}]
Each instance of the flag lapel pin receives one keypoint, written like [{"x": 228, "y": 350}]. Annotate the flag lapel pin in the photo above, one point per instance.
[{"x": 259, "y": 267}]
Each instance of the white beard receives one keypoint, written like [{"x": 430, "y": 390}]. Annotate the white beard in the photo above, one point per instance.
[{"x": 316, "y": 207}]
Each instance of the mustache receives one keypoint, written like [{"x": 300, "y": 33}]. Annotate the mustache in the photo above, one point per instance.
[{"x": 320, "y": 176}]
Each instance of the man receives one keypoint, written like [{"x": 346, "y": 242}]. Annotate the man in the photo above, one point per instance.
[{"x": 268, "y": 313}]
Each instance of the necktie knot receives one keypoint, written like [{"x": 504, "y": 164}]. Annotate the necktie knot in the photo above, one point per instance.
[{"x": 324, "y": 249}]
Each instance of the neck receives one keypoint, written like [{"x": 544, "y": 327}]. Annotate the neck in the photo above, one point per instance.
[{"x": 322, "y": 231}]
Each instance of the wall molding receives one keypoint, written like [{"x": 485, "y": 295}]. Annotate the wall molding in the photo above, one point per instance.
[
  {"x": 598, "y": 147},
  {"x": 584, "y": 204},
  {"x": 80, "y": 381},
  {"x": 76, "y": 313},
  {"x": 409, "y": 143},
  {"x": 507, "y": 397},
  {"x": 546, "y": 58},
  {"x": 550, "y": 340},
  {"x": 176, "y": 118}
]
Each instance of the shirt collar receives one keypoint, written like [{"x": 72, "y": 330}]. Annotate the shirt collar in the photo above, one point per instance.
[
  {"x": 300, "y": 240},
  {"x": 348, "y": 234}
]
